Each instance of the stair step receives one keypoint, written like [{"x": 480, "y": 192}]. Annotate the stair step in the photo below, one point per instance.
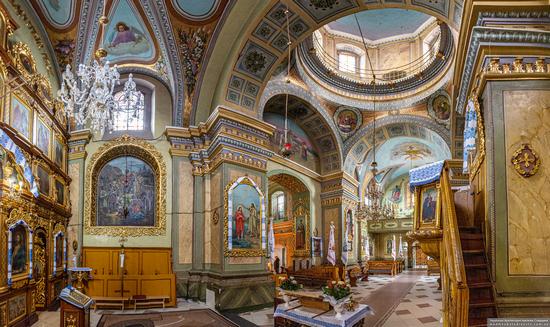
[
  {"x": 471, "y": 236},
  {"x": 480, "y": 285},
  {"x": 485, "y": 304},
  {"x": 475, "y": 265},
  {"x": 476, "y": 251}
]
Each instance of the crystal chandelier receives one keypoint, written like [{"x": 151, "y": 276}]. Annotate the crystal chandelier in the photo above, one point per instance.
[
  {"x": 374, "y": 207},
  {"x": 88, "y": 96}
]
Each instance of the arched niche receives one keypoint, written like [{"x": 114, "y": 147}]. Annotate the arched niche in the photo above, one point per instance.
[{"x": 138, "y": 165}]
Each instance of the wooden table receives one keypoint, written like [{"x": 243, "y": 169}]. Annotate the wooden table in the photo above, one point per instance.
[{"x": 296, "y": 315}]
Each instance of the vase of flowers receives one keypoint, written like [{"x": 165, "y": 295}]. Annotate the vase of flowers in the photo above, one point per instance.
[
  {"x": 337, "y": 294},
  {"x": 288, "y": 284}
]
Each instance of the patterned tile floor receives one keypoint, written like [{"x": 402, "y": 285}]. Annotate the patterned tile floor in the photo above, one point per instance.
[{"x": 421, "y": 306}]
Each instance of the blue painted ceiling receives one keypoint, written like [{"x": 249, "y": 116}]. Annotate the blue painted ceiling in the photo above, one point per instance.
[{"x": 381, "y": 23}]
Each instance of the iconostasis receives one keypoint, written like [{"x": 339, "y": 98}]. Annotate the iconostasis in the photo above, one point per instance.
[{"x": 34, "y": 195}]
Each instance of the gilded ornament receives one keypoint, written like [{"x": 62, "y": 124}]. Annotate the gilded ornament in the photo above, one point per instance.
[
  {"x": 526, "y": 161},
  {"x": 125, "y": 145},
  {"x": 215, "y": 217}
]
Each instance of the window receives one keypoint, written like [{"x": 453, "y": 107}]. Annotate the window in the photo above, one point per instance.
[
  {"x": 347, "y": 62},
  {"x": 278, "y": 205},
  {"x": 130, "y": 115}
]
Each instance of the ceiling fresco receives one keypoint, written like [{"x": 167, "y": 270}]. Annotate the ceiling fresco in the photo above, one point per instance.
[
  {"x": 381, "y": 24},
  {"x": 59, "y": 13},
  {"x": 126, "y": 36},
  {"x": 196, "y": 10}
]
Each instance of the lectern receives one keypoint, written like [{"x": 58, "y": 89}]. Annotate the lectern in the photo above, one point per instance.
[{"x": 75, "y": 308}]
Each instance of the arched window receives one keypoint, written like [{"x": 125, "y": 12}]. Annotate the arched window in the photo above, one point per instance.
[
  {"x": 134, "y": 114},
  {"x": 348, "y": 62},
  {"x": 130, "y": 115},
  {"x": 278, "y": 205}
]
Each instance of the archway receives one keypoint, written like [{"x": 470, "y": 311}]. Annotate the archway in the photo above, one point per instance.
[{"x": 289, "y": 209}]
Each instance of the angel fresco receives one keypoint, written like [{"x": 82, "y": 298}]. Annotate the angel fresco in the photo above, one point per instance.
[{"x": 126, "y": 39}]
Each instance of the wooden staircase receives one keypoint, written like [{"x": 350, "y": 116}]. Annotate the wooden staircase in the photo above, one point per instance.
[{"x": 481, "y": 301}]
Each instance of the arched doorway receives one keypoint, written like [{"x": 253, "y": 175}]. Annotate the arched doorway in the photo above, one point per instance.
[{"x": 289, "y": 210}]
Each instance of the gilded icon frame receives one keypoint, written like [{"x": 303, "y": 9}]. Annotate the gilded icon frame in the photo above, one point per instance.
[
  {"x": 228, "y": 207},
  {"x": 418, "y": 210},
  {"x": 125, "y": 146},
  {"x": 18, "y": 96},
  {"x": 301, "y": 211}
]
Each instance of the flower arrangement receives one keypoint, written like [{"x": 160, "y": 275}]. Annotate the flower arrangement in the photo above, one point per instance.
[
  {"x": 289, "y": 284},
  {"x": 338, "y": 290}
]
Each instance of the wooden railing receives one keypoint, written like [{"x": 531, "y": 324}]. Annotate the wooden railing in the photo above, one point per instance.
[{"x": 453, "y": 273}]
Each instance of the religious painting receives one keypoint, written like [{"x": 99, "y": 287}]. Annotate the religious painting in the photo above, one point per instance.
[
  {"x": 26, "y": 63},
  {"x": 59, "y": 192},
  {"x": 59, "y": 13},
  {"x": 245, "y": 219},
  {"x": 439, "y": 107},
  {"x": 42, "y": 136},
  {"x": 348, "y": 119},
  {"x": 43, "y": 180},
  {"x": 428, "y": 205},
  {"x": 126, "y": 193},
  {"x": 348, "y": 246},
  {"x": 59, "y": 251},
  {"x": 21, "y": 117},
  {"x": 127, "y": 36},
  {"x": 389, "y": 246},
  {"x": 302, "y": 150},
  {"x": 317, "y": 245},
  {"x": 17, "y": 307},
  {"x": 396, "y": 195},
  {"x": 300, "y": 233},
  {"x": 58, "y": 153},
  {"x": 19, "y": 250}
]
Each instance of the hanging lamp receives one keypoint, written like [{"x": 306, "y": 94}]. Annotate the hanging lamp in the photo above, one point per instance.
[{"x": 286, "y": 150}]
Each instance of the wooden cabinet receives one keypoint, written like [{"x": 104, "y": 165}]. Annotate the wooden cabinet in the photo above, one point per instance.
[{"x": 147, "y": 271}]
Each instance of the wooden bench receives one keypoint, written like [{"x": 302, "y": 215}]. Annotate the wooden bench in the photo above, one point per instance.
[
  {"x": 149, "y": 301},
  {"x": 389, "y": 267},
  {"x": 316, "y": 275},
  {"x": 110, "y": 302}
]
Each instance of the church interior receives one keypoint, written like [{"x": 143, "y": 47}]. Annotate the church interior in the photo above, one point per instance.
[{"x": 274, "y": 163}]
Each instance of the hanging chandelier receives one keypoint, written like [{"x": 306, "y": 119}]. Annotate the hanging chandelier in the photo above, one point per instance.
[
  {"x": 88, "y": 96},
  {"x": 375, "y": 207}
]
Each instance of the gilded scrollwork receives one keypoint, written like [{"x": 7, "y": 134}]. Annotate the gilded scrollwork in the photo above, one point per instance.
[
  {"x": 477, "y": 160},
  {"x": 122, "y": 146},
  {"x": 23, "y": 59},
  {"x": 526, "y": 161}
]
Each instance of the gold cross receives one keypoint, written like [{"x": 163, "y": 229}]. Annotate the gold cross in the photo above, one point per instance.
[{"x": 526, "y": 160}]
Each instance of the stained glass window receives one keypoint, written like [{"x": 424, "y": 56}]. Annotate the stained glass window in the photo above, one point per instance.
[{"x": 130, "y": 115}]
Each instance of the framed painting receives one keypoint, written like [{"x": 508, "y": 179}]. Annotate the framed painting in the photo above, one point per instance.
[
  {"x": 21, "y": 117},
  {"x": 348, "y": 120},
  {"x": 44, "y": 182},
  {"x": 427, "y": 206},
  {"x": 301, "y": 228},
  {"x": 42, "y": 136},
  {"x": 125, "y": 189},
  {"x": 59, "y": 192},
  {"x": 317, "y": 246},
  {"x": 58, "y": 152},
  {"x": 19, "y": 247},
  {"x": 439, "y": 107},
  {"x": 245, "y": 223},
  {"x": 59, "y": 251}
]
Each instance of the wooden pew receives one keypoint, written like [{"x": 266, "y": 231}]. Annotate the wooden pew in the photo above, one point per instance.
[
  {"x": 316, "y": 275},
  {"x": 389, "y": 267}
]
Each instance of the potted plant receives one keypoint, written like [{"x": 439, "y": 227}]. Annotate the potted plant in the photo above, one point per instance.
[
  {"x": 288, "y": 284},
  {"x": 337, "y": 294}
]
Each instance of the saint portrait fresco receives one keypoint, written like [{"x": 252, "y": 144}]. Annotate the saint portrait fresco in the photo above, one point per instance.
[
  {"x": 428, "y": 205},
  {"x": 20, "y": 117},
  {"x": 19, "y": 250},
  {"x": 389, "y": 246},
  {"x": 300, "y": 233},
  {"x": 347, "y": 119},
  {"x": 43, "y": 136},
  {"x": 126, "y": 193},
  {"x": 244, "y": 218},
  {"x": 439, "y": 107},
  {"x": 349, "y": 231}
]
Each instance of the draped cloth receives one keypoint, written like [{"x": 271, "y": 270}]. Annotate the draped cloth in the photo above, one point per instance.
[
  {"x": 394, "y": 248},
  {"x": 331, "y": 254},
  {"x": 470, "y": 133},
  {"x": 367, "y": 248},
  {"x": 7, "y": 143},
  {"x": 345, "y": 248}
]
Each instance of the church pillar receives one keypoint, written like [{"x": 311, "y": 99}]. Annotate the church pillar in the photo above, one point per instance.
[
  {"x": 228, "y": 148},
  {"x": 76, "y": 170}
]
